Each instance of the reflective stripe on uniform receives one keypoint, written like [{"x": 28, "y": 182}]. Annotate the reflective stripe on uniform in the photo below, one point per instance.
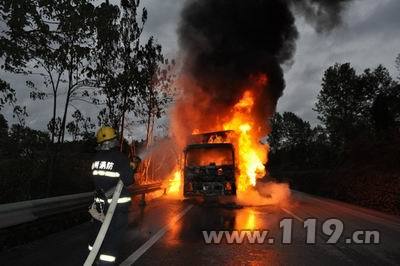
[
  {"x": 98, "y": 200},
  {"x": 120, "y": 200},
  {"x": 107, "y": 258},
  {"x": 105, "y": 173}
]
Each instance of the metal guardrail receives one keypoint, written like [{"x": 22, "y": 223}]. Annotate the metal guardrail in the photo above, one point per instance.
[{"x": 27, "y": 211}]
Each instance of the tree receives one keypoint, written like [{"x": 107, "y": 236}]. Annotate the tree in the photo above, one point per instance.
[
  {"x": 28, "y": 39},
  {"x": 276, "y": 135},
  {"x": 291, "y": 142},
  {"x": 341, "y": 104},
  {"x": 76, "y": 30},
  {"x": 295, "y": 145},
  {"x": 3, "y": 126},
  {"x": 82, "y": 127},
  {"x": 351, "y": 105},
  {"x": 8, "y": 96},
  {"x": 157, "y": 93},
  {"x": 26, "y": 142},
  {"x": 3, "y": 136},
  {"x": 397, "y": 62},
  {"x": 134, "y": 78},
  {"x": 289, "y": 131},
  {"x": 53, "y": 38},
  {"x": 297, "y": 132},
  {"x": 320, "y": 136},
  {"x": 118, "y": 60}
]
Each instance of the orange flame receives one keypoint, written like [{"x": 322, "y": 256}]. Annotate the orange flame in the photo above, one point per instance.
[
  {"x": 175, "y": 182},
  {"x": 252, "y": 155},
  {"x": 243, "y": 119}
]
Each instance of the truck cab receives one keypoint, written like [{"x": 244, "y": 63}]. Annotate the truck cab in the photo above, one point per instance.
[{"x": 209, "y": 168}]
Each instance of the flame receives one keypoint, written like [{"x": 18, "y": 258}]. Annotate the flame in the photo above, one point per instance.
[
  {"x": 175, "y": 182},
  {"x": 252, "y": 154}
]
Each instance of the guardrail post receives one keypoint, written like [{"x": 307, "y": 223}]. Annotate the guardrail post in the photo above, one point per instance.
[{"x": 143, "y": 200}]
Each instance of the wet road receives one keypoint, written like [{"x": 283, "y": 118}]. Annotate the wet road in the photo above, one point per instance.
[{"x": 170, "y": 232}]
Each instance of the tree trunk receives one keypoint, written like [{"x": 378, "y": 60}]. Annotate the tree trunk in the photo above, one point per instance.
[
  {"x": 53, "y": 133},
  {"x": 123, "y": 119},
  {"x": 52, "y": 154},
  {"x": 149, "y": 142},
  {"x": 62, "y": 129}
]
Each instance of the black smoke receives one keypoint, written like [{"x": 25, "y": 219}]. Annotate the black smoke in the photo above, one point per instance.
[{"x": 225, "y": 42}]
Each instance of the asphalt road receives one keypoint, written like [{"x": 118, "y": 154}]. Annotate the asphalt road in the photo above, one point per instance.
[{"x": 170, "y": 232}]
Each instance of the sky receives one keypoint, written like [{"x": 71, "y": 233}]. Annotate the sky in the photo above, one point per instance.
[{"x": 368, "y": 36}]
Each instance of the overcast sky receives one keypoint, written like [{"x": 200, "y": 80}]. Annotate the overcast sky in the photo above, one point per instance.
[{"x": 370, "y": 35}]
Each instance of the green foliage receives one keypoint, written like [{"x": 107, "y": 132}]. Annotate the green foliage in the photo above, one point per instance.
[
  {"x": 8, "y": 96},
  {"x": 26, "y": 142},
  {"x": 81, "y": 127},
  {"x": 118, "y": 66},
  {"x": 289, "y": 131},
  {"x": 397, "y": 62},
  {"x": 25, "y": 161},
  {"x": 355, "y": 110},
  {"x": 133, "y": 75},
  {"x": 92, "y": 54},
  {"x": 340, "y": 103},
  {"x": 84, "y": 51},
  {"x": 295, "y": 145},
  {"x": 22, "y": 183},
  {"x": 53, "y": 37},
  {"x": 3, "y": 126},
  {"x": 3, "y": 136},
  {"x": 156, "y": 90},
  {"x": 351, "y": 105}
]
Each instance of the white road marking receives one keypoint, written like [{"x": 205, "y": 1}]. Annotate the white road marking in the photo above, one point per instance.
[
  {"x": 292, "y": 214},
  {"x": 140, "y": 251}
]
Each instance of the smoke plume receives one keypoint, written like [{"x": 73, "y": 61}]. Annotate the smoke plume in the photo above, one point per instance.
[
  {"x": 324, "y": 15},
  {"x": 226, "y": 44}
]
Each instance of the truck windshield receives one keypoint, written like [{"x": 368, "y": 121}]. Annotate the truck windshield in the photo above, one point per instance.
[{"x": 207, "y": 156}]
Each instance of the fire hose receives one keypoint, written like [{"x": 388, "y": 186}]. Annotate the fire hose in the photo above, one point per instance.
[{"x": 104, "y": 227}]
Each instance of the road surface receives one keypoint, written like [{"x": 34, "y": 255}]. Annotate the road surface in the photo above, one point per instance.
[{"x": 170, "y": 232}]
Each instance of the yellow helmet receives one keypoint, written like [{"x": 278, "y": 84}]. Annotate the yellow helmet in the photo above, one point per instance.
[{"x": 105, "y": 133}]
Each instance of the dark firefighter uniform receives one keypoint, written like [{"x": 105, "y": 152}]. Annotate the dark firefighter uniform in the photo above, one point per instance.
[{"x": 107, "y": 168}]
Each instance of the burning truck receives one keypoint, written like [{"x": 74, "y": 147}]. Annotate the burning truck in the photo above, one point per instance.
[
  {"x": 231, "y": 79},
  {"x": 223, "y": 162},
  {"x": 209, "y": 165}
]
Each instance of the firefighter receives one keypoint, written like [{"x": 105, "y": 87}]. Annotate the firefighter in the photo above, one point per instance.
[{"x": 109, "y": 166}]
